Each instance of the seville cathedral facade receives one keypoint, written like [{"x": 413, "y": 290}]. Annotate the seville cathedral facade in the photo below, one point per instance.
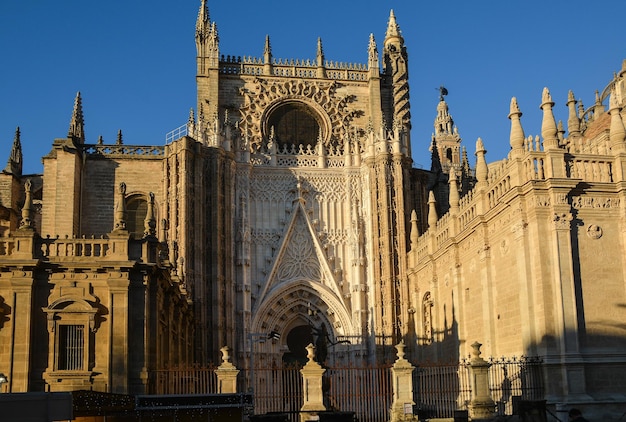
[{"x": 288, "y": 204}]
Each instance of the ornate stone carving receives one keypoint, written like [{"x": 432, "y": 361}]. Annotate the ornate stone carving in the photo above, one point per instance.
[
  {"x": 594, "y": 231},
  {"x": 299, "y": 259},
  {"x": 579, "y": 202},
  {"x": 319, "y": 95},
  {"x": 562, "y": 221}
]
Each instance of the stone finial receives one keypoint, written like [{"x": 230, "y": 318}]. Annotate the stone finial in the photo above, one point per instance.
[
  {"x": 476, "y": 350},
  {"x": 150, "y": 221},
  {"x": 310, "y": 352},
  {"x": 560, "y": 132},
  {"x": 432, "y": 210},
  {"x": 548, "y": 124},
  {"x": 573, "y": 122},
  {"x": 617, "y": 133},
  {"x": 482, "y": 170},
  {"x": 453, "y": 197},
  {"x": 26, "y": 222},
  {"x": 517, "y": 136},
  {"x": 400, "y": 348},
  {"x": 225, "y": 354},
  {"x": 414, "y": 230},
  {"x": 119, "y": 140}
]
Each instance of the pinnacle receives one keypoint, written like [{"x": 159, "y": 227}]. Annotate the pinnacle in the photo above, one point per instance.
[{"x": 393, "y": 29}]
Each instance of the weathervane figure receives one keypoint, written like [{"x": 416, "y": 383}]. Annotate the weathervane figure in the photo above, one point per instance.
[{"x": 442, "y": 92}]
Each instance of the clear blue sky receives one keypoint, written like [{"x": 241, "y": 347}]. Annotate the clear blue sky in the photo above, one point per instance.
[{"x": 134, "y": 61}]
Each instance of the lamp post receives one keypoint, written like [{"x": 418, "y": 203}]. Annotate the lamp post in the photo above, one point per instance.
[
  {"x": 3, "y": 380},
  {"x": 258, "y": 338}
]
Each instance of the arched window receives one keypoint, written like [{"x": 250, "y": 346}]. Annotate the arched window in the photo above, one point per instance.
[
  {"x": 136, "y": 210},
  {"x": 294, "y": 123}
]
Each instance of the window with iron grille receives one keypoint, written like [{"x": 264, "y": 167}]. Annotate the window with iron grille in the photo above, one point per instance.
[{"x": 71, "y": 348}]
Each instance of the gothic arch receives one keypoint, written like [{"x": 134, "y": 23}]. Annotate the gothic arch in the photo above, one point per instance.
[{"x": 302, "y": 301}]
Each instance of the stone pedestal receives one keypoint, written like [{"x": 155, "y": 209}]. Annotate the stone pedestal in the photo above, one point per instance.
[
  {"x": 312, "y": 387},
  {"x": 482, "y": 405},
  {"x": 226, "y": 374},
  {"x": 402, "y": 382}
]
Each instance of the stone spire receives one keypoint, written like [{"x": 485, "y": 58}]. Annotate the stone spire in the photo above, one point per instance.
[
  {"x": 319, "y": 58},
  {"x": 393, "y": 29},
  {"x": 267, "y": 56},
  {"x": 573, "y": 122},
  {"x": 435, "y": 160},
  {"x": 77, "y": 123},
  {"x": 432, "y": 210},
  {"x": 517, "y": 136},
  {"x": 207, "y": 40},
  {"x": 617, "y": 133},
  {"x": 397, "y": 70},
  {"x": 320, "y": 52},
  {"x": 203, "y": 22},
  {"x": 14, "y": 163},
  {"x": 548, "y": 124},
  {"x": 372, "y": 55}
]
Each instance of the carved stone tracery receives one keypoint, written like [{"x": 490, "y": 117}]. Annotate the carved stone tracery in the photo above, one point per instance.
[{"x": 320, "y": 96}]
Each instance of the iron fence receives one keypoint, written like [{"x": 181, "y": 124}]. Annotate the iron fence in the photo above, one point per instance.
[
  {"x": 367, "y": 391},
  {"x": 184, "y": 380},
  {"x": 439, "y": 389},
  {"x": 515, "y": 378}
]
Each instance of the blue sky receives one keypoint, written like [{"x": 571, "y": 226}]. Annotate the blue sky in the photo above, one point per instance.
[{"x": 134, "y": 61}]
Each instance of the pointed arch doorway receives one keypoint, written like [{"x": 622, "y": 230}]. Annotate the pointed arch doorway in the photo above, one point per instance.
[{"x": 297, "y": 339}]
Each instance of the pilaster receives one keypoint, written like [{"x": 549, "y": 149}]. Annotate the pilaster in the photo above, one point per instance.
[{"x": 118, "y": 283}]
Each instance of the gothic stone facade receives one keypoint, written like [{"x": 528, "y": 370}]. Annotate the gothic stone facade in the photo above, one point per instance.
[{"x": 290, "y": 205}]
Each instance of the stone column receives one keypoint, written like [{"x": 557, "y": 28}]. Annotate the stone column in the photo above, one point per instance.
[
  {"x": 312, "y": 387},
  {"x": 482, "y": 405},
  {"x": 226, "y": 374},
  {"x": 402, "y": 382}
]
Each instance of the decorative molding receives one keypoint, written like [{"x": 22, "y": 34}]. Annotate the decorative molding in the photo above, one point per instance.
[{"x": 579, "y": 202}]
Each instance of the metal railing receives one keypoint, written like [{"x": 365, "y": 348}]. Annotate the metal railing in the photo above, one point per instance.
[
  {"x": 439, "y": 389},
  {"x": 184, "y": 380}
]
